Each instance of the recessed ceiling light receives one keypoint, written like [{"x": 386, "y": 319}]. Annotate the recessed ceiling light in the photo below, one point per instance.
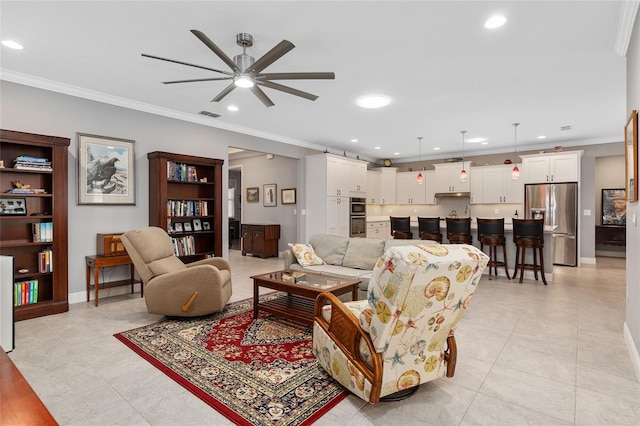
[
  {"x": 12, "y": 44},
  {"x": 232, "y": 108},
  {"x": 484, "y": 143},
  {"x": 373, "y": 101},
  {"x": 378, "y": 147},
  {"x": 476, "y": 140},
  {"x": 542, "y": 137},
  {"x": 354, "y": 140},
  {"x": 495, "y": 22},
  {"x": 396, "y": 153},
  {"x": 436, "y": 148}
]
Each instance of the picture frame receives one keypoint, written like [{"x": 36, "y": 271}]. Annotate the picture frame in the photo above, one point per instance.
[
  {"x": 614, "y": 206},
  {"x": 13, "y": 206},
  {"x": 187, "y": 227},
  {"x": 177, "y": 227},
  {"x": 288, "y": 196},
  {"x": 253, "y": 194},
  {"x": 206, "y": 226},
  {"x": 270, "y": 195},
  {"x": 197, "y": 225},
  {"x": 106, "y": 170},
  {"x": 631, "y": 156}
]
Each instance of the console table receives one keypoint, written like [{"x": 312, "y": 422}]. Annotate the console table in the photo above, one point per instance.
[
  {"x": 611, "y": 235},
  {"x": 98, "y": 262}
]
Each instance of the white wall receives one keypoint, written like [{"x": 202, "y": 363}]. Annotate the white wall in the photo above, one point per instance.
[
  {"x": 33, "y": 110},
  {"x": 632, "y": 329}
]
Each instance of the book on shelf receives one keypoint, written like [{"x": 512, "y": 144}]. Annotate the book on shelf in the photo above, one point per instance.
[
  {"x": 25, "y": 292},
  {"x": 181, "y": 172},
  {"x": 184, "y": 246},
  {"x": 45, "y": 260},
  {"x": 42, "y": 232},
  {"x": 181, "y": 208},
  {"x": 26, "y": 191},
  {"x": 25, "y": 162}
]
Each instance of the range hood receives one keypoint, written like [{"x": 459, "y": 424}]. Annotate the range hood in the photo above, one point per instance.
[{"x": 452, "y": 195}]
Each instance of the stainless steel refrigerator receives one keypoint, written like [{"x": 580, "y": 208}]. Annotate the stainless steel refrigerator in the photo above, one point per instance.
[{"x": 558, "y": 204}]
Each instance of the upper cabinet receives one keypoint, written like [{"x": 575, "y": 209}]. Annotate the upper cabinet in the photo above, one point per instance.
[
  {"x": 448, "y": 177},
  {"x": 552, "y": 167},
  {"x": 429, "y": 186},
  {"x": 357, "y": 178},
  {"x": 408, "y": 190},
  {"x": 373, "y": 187},
  {"x": 344, "y": 176},
  {"x": 494, "y": 185},
  {"x": 388, "y": 185}
]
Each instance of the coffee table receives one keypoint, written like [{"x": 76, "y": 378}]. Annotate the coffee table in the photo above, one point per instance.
[{"x": 302, "y": 288}]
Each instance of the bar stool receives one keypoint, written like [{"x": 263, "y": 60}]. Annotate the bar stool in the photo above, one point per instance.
[
  {"x": 459, "y": 230},
  {"x": 429, "y": 228},
  {"x": 529, "y": 233},
  {"x": 401, "y": 228},
  {"x": 491, "y": 233}
]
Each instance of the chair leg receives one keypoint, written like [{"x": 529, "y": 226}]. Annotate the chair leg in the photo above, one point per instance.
[
  {"x": 544, "y": 280},
  {"x": 523, "y": 254},
  {"x": 451, "y": 356},
  {"x": 504, "y": 256},
  {"x": 535, "y": 263}
]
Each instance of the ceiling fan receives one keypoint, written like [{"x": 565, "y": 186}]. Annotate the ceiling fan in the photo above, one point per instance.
[{"x": 247, "y": 72}]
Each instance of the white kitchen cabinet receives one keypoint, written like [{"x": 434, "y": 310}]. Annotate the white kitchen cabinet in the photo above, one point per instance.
[
  {"x": 336, "y": 174},
  {"x": 494, "y": 185},
  {"x": 448, "y": 177},
  {"x": 379, "y": 230},
  {"x": 552, "y": 167},
  {"x": 408, "y": 190},
  {"x": 357, "y": 178},
  {"x": 429, "y": 186},
  {"x": 338, "y": 216},
  {"x": 388, "y": 185},
  {"x": 373, "y": 187},
  {"x": 475, "y": 185}
]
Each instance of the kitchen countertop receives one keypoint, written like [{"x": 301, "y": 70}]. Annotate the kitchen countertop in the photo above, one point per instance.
[{"x": 508, "y": 224}]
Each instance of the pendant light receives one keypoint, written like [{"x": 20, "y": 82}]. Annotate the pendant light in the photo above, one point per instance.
[
  {"x": 463, "y": 172},
  {"x": 515, "y": 173},
  {"x": 420, "y": 178}
]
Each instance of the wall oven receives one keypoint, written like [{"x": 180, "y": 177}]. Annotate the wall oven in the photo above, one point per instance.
[{"x": 358, "y": 217}]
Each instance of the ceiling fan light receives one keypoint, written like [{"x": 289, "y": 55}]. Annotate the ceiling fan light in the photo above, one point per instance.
[
  {"x": 463, "y": 175},
  {"x": 515, "y": 173},
  {"x": 243, "y": 81},
  {"x": 420, "y": 178},
  {"x": 373, "y": 101}
]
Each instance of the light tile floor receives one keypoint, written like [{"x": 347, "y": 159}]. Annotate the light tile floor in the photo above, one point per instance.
[{"x": 527, "y": 354}]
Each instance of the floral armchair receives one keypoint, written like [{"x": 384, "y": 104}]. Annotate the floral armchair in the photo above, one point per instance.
[{"x": 403, "y": 335}]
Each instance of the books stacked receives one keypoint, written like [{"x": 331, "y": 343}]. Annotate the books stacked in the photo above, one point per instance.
[
  {"x": 184, "y": 246},
  {"x": 25, "y": 292},
  {"x": 181, "y": 208},
  {"x": 181, "y": 172},
  {"x": 42, "y": 232},
  {"x": 27, "y": 191},
  {"x": 45, "y": 260},
  {"x": 25, "y": 162}
]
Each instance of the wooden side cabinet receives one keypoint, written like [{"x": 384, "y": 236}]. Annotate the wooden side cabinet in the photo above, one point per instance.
[
  {"x": 611, "y": 235},
  {"x": 260, "y": 240}
]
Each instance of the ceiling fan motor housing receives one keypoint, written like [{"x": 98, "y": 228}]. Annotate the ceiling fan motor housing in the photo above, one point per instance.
[{"x": 243, "y": 61}]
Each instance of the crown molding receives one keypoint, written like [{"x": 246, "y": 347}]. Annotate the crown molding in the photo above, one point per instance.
[{"x": 627, "y": 20}]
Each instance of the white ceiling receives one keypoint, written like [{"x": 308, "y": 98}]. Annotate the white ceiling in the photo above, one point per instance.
[{"x": 553, "y": 64}]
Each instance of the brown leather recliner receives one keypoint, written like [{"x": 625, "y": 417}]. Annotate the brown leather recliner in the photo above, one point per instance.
[{"x": 172, "y": 287}]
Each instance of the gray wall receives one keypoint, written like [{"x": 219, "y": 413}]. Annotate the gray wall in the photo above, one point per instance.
[
  {"x": 34, "y": 110},
  {"x": 633, "y": 232}
]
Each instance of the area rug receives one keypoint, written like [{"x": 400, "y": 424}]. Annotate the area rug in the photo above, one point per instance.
[{"x": 260, "y": 372}]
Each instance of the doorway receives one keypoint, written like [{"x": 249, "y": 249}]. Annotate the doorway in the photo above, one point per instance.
[{"x": 234, "y": 206}]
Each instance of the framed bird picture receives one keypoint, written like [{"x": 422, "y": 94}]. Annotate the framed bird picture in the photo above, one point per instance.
[{"x": 106, "y": 170}]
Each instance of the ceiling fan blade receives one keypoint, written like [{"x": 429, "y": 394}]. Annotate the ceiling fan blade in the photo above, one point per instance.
[
  {"x": 296, "y": 76},
  {"x": 196, "y": 80},
  {"x": 271, "y": 56},
  {"x": 187, "y": 64},
  {"x": 287, "y": 89},
  {"x": 262, "y": 96},
  {"x": 224, "y": 93},
  {"x": 211, "y": 45}
]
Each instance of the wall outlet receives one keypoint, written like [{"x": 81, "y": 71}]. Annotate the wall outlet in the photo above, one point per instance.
[
  {"x": 587, "y": 212},
  {"x": 496, "y": 211},
  {"x": 295, "y": 212},
  {"x": 303, "y": 212},
  {"x": 415, "y": 210}
]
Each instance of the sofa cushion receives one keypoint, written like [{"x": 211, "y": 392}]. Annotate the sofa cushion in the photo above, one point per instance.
[
  {"x": 330, "y": 248},
  {"x": 166, "y": 265},
  {"x": 394, "y": 243},
  {"x": 305, "y": 254},
  {"x": 363, "y": 253}
]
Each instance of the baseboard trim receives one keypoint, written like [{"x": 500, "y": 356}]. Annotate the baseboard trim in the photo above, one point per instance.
[
  {"x": 611, "y": 253},
  {"x": 81, "y": 296},
  {"x": 633, "y": 351},
  {"x": 588, "y": 260}
]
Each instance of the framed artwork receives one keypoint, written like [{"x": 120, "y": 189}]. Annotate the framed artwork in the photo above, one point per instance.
[
  {"x": 253, "y": 195},
  {"x": 270, "y": 195},
  {"x": 106, "y": 173},
  {"x": 13, "y": 206},
  {"x": 614, "y": 206},
  {"x": 288, "y": 196},
  {"x": 206, "y": 226},
  {"x": 197, "y": 225},
  {"x": 631, "y": 156},
  {"x": 186, "y": 226},
  {"x": 177, "y": 227}
]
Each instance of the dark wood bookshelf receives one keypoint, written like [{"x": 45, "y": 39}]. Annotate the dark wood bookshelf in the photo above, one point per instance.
[
  {"x": 16, "y": 238},
  {"x": 163, "y": 189}
]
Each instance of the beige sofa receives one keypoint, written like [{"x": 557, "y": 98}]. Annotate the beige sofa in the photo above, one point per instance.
[{"x": 347, "y": 257}]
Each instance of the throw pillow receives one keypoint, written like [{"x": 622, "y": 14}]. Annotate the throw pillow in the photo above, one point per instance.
[
  {"x": 363, "y": 253},
  {"x": 305, "y": 255}
]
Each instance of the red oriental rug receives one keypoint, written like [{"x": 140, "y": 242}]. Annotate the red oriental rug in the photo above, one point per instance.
[{"x": 259, "y": 372}]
